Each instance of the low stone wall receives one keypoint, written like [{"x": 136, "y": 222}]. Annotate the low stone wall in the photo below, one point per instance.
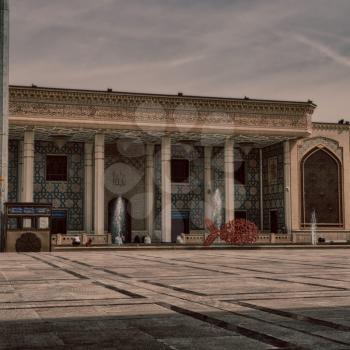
[
  {"x": 67, "y": 240},
  {"x": 329, "y": 236},
  {"x": 267, "y": 238},
  {"x": 194, "y": 238}
]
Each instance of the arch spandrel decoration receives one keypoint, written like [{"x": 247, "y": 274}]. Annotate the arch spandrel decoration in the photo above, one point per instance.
[
  {"x": 321, "y": 187},
  {"x": 320, "y": 142}
]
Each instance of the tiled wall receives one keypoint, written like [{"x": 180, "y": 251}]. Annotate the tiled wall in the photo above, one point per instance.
[
  {"x": 273, "y": 193},
  {"x": 13, "y": 171},
  {"x": 185, "y": 197},
  {"x": 246, "y": 196},
  {"x": 136, "y": 195},
  {"x": 62, "y": 194},
  {"x": 189, "y": 197}
]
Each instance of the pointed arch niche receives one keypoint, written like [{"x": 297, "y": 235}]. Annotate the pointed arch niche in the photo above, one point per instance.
[{"x": 321, "y": 175}]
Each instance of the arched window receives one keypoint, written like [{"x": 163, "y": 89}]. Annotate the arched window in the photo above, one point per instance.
[{"x": 321, "y": 188}]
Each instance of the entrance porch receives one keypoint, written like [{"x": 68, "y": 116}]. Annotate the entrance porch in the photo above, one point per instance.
[{"x": 167, "y": 155}]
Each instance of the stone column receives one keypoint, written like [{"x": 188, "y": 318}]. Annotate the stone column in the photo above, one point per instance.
[
  {"x": 295, "y": 189},
  {"x": 166, "y": 189},
  {"x": 229, "y": 180},
  {"x": 287, "y": 187},
  {"x": 20, "y": 172},
  {"x": 28, "y": 166},
  {"x": 149, "y": 189},
  {"x": 4, "y": 93},
  {"x": 99, "y": 225},
  {"x": 207, "y": 183},
  {"x": 88, "y": 195}
]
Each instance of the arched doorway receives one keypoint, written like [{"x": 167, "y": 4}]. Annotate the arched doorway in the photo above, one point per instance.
[
  {"x": 119, "y": 219},
  {"x": 321, "y": 188}
]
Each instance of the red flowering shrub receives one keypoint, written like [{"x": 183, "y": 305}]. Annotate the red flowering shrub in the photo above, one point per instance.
[{"x": 238, "y": 231}]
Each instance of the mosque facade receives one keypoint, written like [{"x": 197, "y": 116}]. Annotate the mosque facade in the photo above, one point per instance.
[{"x": 176, "y": 160}]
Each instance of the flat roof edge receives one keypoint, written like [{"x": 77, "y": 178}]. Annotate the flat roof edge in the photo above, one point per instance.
[{"x": 183, "y": 96}]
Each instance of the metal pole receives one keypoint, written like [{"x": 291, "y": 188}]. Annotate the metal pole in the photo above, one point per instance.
[{"x": 4, "y": 95}]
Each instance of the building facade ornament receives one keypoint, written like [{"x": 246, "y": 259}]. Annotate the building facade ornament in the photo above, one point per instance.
[
  {"x": 321, "y": 142},
  {"x": 31, "y": 102}
]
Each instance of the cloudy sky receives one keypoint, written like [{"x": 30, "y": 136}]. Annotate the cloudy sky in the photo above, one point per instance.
[{"x": 276, "y": 49}]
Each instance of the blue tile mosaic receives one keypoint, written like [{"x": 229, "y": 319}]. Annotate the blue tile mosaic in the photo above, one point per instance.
[
  {"x": 188, "y": 196},
  {"x": 247, "y": 196},
  {"x": 62, "y": 194},
  {"x": 273, "y": 184},
  {"x": 13, "y": 171}
]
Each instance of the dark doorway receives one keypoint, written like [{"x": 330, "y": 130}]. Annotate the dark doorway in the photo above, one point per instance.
[
  {"x": 59, "y": 222},
  {"x": 274, "y": 221},
  {"x": 180, "y": 223},
  {"x": 321, "y": 188}
]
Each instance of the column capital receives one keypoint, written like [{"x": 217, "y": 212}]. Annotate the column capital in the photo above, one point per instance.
[
  {"x": 229, "y": 139},
  {"x": 88, "y": 147},
  {"x": 99, "y": 138},
  {"x": 150, "y": 148}
]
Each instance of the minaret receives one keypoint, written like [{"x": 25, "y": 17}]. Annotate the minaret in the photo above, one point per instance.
[{"x": 4, "y": 97}]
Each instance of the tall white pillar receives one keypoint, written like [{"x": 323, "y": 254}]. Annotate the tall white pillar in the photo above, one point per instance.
[
  {"x": 229, "y": 180},
  {"x": 4, "y": 96},
  {"x": 287, "y": 187},
  {"x": 99, "y": 225},
  {"x": 149, "y": 182},
  {"x": 207, "y": 183},
  {"x": 166, "y": 189},
  {"x": 88, "y": 196},
  {"x": 28, "y": 166}
]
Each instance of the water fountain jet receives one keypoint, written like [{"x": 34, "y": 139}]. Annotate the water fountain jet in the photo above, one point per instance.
[
  {"x": 313, "y": 228},
  {"x": 217, "y": 208}
]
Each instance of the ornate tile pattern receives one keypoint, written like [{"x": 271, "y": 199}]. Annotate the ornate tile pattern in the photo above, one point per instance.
[
  {"x": 247, "y": 197},
  {"x": 13, "y": 171},
  {"x": 273, "y": 192},
  {"x": 62, "y": 194},
  {"x": 189, "y": 196},
  {"x": 157, "y": 191},
  {"x": 133, "y": 155}
]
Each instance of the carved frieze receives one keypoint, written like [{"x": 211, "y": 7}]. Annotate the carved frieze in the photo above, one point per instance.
[{"x": 143, "y": 108}]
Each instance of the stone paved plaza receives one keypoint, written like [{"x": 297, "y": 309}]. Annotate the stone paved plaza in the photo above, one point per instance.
[{"x": 186, "y": 299}]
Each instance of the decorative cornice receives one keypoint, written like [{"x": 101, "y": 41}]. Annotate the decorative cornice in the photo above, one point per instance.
[
  {"x": 67, "y": 104},
  {"x": 329, "y": 126}
]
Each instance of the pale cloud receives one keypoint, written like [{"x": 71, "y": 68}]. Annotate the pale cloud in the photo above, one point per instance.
[{"x": 324, "y": 49}]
